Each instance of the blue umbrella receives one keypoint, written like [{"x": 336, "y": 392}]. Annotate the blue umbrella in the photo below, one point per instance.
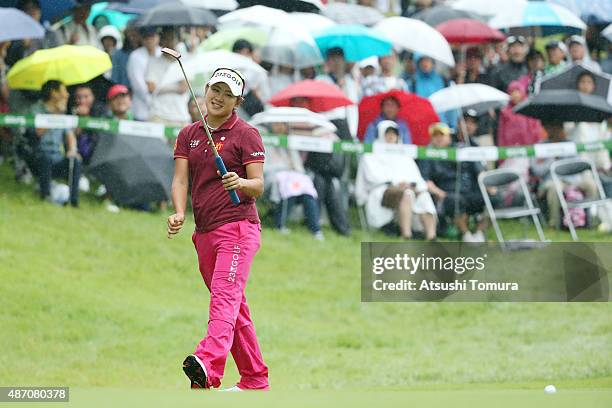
[
  {"x": 52, "y": 10},
  {"x": 550, "y": 18},
  {"x": 591, "y": 11},
  {"x": 18, "y": 25},
  {"x": 358, "y": 42}
]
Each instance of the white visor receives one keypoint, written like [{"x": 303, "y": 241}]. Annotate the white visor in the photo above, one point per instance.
[{"x": 229, "y": 77}]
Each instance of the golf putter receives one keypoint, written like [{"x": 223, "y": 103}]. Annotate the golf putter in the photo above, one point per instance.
[{"x": 218, "y": 160}]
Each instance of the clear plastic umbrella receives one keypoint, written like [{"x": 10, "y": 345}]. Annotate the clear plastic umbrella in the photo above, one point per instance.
[
  {"x": 416, "y": 36},
  {"x": 344, "y": 13},
  {"x": 314, "y": 22},
  {"x": 286, "y": 114},
  {"x": 17, "y": 25},
  {"x": 460, "y": 96},
  {"x": 291, "y": 45}
]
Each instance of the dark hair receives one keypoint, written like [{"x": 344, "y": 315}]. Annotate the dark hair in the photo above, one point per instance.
[
  {"x": 335, "y": 51},
  {"x": 392, "y": 129},
  {"x": 585, "y": 73},
  {"x": 241, "y": 44},
  {"x": 390, "y": 98},
  {"x": 25, "y": 5},
  {"x": 533, "y": 54},
  {"x": 48, "y": 87}
]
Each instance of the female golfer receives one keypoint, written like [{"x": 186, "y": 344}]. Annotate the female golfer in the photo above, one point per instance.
[{"x": 227, "y": 236}]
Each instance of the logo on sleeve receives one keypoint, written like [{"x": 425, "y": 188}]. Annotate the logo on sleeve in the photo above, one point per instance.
[
  {"x": 258, "y": 154},
  {"x": 194, "y": 143}
]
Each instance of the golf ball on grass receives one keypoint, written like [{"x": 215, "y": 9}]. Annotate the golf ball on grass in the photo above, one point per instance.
[{"x": 550, "y": 389}]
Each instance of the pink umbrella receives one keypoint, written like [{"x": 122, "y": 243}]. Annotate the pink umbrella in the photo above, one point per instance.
[
  {"x": 322, "y": 96},
  {"x": 469, "y": 31}
]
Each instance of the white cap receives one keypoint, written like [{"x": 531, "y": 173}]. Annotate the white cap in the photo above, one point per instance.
[
  {"x": 369, "y": 62},
  {"x": 385, "y": 125},
  {"x": 230, "y": 77}
]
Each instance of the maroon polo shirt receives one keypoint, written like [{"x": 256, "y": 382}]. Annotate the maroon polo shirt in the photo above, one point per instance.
[{"x": 238, "y": 144}]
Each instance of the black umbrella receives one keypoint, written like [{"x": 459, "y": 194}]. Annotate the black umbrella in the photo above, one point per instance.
[
  {"x": 177, "y": 14},
  {"x": 566, "y": 79},
  {"x": 134, "y": 169},
  {"x": 565, "y": 105},
  {"x": 306, "y": 6},
  {"x": 440, "y": 14},
  {"x": 134, "y": 6}
]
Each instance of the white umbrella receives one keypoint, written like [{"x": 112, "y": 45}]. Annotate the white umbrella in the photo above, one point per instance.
[
  {"x": 417, "y": 36},
  {"x": 199, "y": 67},
  {"x": 487, "y": 8},
  {"x": 287, "y": 114},
  {"x": 539, "y": 14},
  {"x": 607, "y": 32},
  {"x": 17, "y": 25},
  {"x": 314, "y": 22},
  {"x": 256, "y": 15},
  {"x": 459, "y": 96},
  {"x": 213, "y": 4},
  {"x": 293, "y": 46},
  {"x": 344, "y": 13}
]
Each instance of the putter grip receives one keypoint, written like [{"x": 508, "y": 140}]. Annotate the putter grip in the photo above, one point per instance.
[{"x": 221, "y": 166}]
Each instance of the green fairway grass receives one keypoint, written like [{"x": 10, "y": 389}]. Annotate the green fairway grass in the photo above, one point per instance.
[{"x": 106, "y": 304}]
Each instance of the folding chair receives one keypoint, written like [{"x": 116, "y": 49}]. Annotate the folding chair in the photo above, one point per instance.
[
  {"x": 570, "y": 167},
  {"x": 500, "y": 178}
]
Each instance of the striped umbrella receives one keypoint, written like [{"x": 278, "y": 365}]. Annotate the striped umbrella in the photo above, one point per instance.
[{"x": 551, "y": 18}]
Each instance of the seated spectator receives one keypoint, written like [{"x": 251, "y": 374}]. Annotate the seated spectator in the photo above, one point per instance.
[
  {"x": 390, "y": 187},
  {"x": 389, "y": 108},
  {"x": 455, "y": 199},
  {"x": 503, "y": 72},
  {"x": 535, "y": 70},
  {"x": 169, "y": 101},
  {"x": 50, "y": 157},
  {"x": 85, "y": 105},
  {"x": 119, "y": 102},
  {"x": 540, "y": 168},
  {"x": 588, "y": 132},
  {"x": 290, "y": 186}
]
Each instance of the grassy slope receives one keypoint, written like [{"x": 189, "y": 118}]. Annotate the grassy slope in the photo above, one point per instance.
[{"x": 93, "y": 299}]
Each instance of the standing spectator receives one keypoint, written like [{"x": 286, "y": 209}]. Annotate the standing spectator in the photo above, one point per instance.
[
  {"x": 472, "y": 72},
  {"x": 119, "y": 73},
  {"x": 22, "y": 48},
  {"x": 254, "y": 98},
  {"x": 49, "y": 157},
  {"x": 515, "y": 67},
  {"x": 389, "y": 108},
  {"x": 426, "y": 81},
  {"x": 390, "y": 185},
  {"x": 386, "y": 80},
  {"x": 280, "y": 77},
  {"x": 513, "y": 128},
  {"x": 77, "y": 31},
  {"x": 85, "y": 105},
  {"x": 194, "y": 114},
  {"x": 535, "y": 70},
  {"x": 110, "y": 39},
  {"x": 337, "y": 72},
  {"x": 441, "y": 177},
  {"x": 579, "y": 55},
  {"x": 556, "y": 53},
  {"x": 137, "y": 69},
  {"x": 243, "y": 47},
  {"x": 168, "y": 102}
]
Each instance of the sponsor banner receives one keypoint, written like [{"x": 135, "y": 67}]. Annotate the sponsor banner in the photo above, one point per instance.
[
  {"x": 310, "y": 144},
  {"x": 402, "y": 149},
  {"x": 274, "y": 140},
  {"x": 457, "y": 272},
  {"x": 349, "y": 147},
  {"x": 551, "y": 150},
  {"x": 103, "y": 125},
  {"x": 44, "y": 121},
  {"x": 510, "y": 152},
  {"x": 146, "y": 129},
  {"x": 16, "y": 120},
  {"x": 436, "y": 154},
  {"x": 485, "y": 153}
]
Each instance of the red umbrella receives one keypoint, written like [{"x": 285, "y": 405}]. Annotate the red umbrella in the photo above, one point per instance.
[
  {"x": 323, "y": 95},
  {"x": 469, "y": 31},
  {"x": 416, "y": 111}
]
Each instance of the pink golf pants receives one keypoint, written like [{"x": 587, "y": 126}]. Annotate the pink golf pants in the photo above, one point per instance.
[{"x": 224, "y": 256}]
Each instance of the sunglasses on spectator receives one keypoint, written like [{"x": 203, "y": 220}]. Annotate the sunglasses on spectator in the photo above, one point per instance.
[{"x": 516, "y": 38}]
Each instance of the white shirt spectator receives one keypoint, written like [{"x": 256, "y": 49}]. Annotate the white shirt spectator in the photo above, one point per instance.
[
  {"x": 87, "y": 35},
  {"x": 136, "y": 69},
  {"x": 350, "y": 113},
  {"x": 168, "y": 103}
]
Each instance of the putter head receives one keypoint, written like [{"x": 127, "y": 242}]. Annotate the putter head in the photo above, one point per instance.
[{"x": 171, "y": 52}]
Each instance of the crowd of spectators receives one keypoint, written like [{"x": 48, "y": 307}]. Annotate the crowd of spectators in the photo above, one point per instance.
[{"x": 423, "y": 197}]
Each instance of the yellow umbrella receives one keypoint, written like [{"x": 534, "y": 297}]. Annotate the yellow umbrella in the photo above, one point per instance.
[{"x": 70, "y": 64}]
